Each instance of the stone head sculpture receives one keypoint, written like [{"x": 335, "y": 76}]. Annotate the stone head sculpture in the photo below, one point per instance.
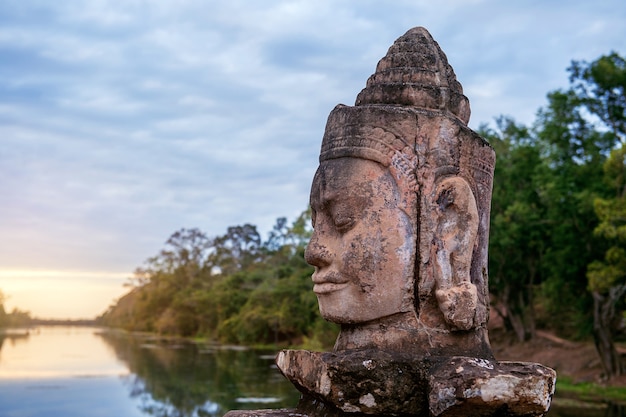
[{"x": 400, "y": 207}]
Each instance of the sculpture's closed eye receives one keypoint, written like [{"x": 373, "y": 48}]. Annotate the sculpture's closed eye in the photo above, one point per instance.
[{"x": 343, "y": 224}]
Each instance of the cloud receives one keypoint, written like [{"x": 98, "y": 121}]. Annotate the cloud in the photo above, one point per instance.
[{"x": 122, "y": 122}]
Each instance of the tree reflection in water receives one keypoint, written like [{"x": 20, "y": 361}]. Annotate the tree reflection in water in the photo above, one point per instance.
[
  {"x": 14, "y": 337},
  {"x": 172, "y": 379}
]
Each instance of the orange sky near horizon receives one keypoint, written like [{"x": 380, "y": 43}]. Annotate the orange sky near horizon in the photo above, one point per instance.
[{"x": 49, "y": 294}]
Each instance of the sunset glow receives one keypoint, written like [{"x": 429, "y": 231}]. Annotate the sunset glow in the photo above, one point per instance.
[{"x": 61, "y": 294}]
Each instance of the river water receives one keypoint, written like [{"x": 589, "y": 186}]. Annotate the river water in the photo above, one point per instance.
[
  {"x": 84, "y": 371},
  {"x": 81, "y": 371}
]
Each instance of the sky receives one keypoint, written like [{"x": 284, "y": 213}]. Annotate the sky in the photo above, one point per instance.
[{"x": 123, "y": 122}]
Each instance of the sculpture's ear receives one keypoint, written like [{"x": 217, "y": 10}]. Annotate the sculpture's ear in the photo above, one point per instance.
[{"x": 457, "y": 228}]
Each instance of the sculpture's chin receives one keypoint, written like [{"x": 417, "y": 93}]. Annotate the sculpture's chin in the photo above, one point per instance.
[
  {"x": 349, "y": 306},
  {"x": 333, "y": 312}
]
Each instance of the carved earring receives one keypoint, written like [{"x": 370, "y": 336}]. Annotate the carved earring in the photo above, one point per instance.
[{"x": 457, "y": 228}]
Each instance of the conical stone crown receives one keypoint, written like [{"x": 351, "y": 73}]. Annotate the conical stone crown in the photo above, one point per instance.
[{"x": 415, "y": 72}]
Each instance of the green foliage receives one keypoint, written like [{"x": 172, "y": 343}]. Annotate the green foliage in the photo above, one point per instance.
[
  {"x": 517, "y": 225},
  {"x": 573, "y": 152},
  {"x": 554, "y": 213},
  {"x": 601, "y": 86},
  {"x": 611, "y": 271},
  {"x": 607, "y": 277},
  {"x": 234, "y": 288},
  {"x": 588, "y": 391},
  {"x": 558, "y": 226}
]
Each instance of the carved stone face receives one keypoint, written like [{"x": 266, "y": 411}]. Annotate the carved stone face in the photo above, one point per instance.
[{"x": 362, "y": 246}]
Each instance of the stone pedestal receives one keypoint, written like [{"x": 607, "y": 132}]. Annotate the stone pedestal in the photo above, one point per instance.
[
  {"x": 376, "y": 382},
  {"x": 372, "y": 382}
]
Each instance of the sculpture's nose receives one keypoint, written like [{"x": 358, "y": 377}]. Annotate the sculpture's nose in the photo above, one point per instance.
[{"x": 316, "y": 252}]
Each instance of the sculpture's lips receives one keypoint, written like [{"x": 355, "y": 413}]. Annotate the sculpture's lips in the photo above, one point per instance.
[
  {"x": 328, "y": 287},
  {"x": 328, "y": 283}
]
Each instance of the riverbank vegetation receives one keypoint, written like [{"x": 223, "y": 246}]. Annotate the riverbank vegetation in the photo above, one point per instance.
[
  {"x": 557, "y": 241},
  {"x": 235, "y": 288}
]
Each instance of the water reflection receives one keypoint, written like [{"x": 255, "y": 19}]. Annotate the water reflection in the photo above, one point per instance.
[
  {"x": 13, "y": 336},
  {"x": 74, "y": 372},
  {"x": 173, "y": 379},
  {"x": 55, "y": 352}
]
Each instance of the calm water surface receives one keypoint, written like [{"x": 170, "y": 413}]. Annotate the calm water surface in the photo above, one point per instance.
[{"x": 82, "y": 371}]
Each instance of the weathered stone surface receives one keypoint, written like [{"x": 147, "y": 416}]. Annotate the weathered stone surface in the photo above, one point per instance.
[
  {"x": 363, "y": 247},
  {"x": 361, "y": 381},
  {"x": 460, "y": 385},
  {"x": 280, "y": 412},
  {"x": 377, "y": 382},
  {"x": 415, "y": 72}
]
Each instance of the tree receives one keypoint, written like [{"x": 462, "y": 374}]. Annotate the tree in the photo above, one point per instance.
[
  {"x": 517, "y": 232},
  {"x": 574, "y": 151},
  {"x": 607, "y": 277},
  {"x": 159, "y": 300},
  {"x": 239, "y": 248},
  {"x": 299, "y": 234},
  {"x": 277, "y": 236},
  {"x": 272, "y": 299},
  {"x": 600, "y": 87}
]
